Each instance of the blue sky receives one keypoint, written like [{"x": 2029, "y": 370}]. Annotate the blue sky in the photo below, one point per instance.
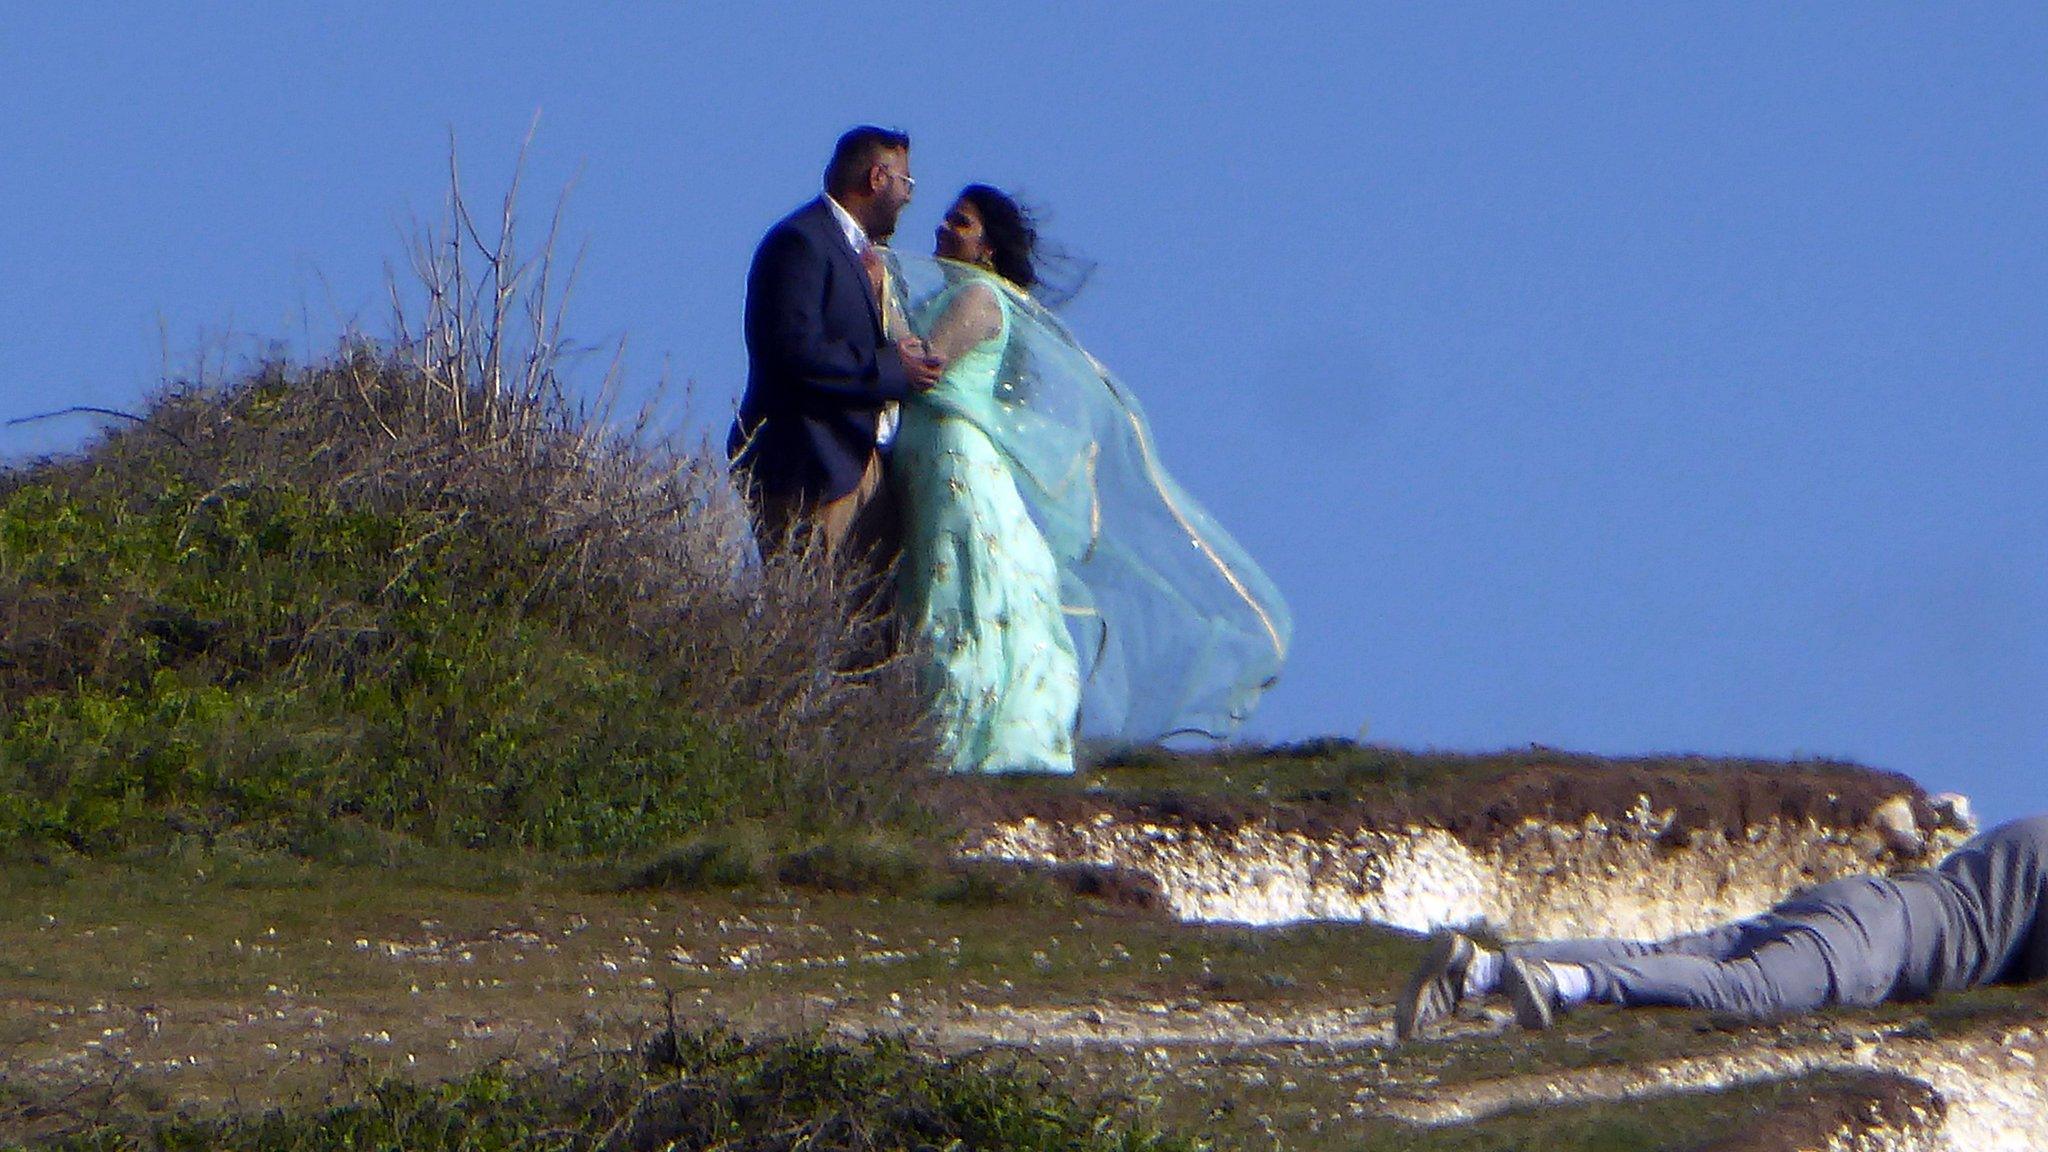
[{"x": 1624, "y": 378}]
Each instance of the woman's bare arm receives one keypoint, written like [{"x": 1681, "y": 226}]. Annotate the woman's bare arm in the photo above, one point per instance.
[{"x": 974, "y": 315}]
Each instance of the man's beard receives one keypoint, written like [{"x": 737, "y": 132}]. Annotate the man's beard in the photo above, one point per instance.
[{"x": 885, "y": 225}]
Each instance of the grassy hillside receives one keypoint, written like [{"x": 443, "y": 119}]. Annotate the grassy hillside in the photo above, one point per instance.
[{"x": 351, "y": 595}]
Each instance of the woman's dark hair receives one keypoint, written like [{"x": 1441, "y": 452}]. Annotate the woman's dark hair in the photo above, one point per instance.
[{"x": 1010, "y": 231}]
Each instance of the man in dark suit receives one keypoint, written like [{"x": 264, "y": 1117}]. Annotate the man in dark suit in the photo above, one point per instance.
[{"x": 824, "y": 371}]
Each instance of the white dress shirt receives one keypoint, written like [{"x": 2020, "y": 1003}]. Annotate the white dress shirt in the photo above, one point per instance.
[
  {"x": 857, "y": 239},
  {"x": 856, "y": 236}
]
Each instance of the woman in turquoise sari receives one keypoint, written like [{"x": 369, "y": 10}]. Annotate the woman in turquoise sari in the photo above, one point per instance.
[{"x": 1054, "y": 578}]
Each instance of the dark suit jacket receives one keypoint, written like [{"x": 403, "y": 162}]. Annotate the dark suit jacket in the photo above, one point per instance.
[{"x": 818, "y": 371}]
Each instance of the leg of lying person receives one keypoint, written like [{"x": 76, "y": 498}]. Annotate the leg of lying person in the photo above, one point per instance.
[
  {"x": 1842, "y": 943},
  {"x": 1758, "y": 968},
  {"x": 1716, "y": 943},
  {"x": 1456, "y": 968}
]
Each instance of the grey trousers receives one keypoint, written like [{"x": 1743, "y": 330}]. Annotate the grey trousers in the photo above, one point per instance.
[{"x": 1841, "y": 943}]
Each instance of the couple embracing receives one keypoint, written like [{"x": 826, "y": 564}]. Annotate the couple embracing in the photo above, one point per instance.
[{"x": 928, "y": 417}]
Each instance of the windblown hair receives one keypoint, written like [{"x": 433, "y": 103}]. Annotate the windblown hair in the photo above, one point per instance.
[
  {"x": 857, "y": 151},
  {"x": 1011, "y": 231}
]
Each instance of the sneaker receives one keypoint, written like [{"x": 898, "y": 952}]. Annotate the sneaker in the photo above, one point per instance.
[
  {"x": 1435, "y": 989},
  {"x": 1532, "y": 988}
]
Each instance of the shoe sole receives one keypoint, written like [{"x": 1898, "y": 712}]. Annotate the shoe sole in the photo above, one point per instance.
[
  {"x": 1534, "y": 1007},
  {"x": 1436, "y": 989}
]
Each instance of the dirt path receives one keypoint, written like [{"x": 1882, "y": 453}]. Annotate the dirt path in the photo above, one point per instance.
[{"x": 1995, "y": 1083}]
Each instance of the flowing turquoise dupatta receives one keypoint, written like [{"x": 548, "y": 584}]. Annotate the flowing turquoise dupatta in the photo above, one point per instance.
[{"x": 1177, "y": 629}]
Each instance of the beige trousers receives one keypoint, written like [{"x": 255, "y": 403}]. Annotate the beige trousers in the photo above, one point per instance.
[{"x": 859, "y": 526}]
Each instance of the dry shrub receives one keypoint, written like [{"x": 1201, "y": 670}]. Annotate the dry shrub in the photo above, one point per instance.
[{"x": 625, "y": 545}]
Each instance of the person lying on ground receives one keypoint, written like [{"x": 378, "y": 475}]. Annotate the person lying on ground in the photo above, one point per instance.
[{"x": 1975, "y": 918}]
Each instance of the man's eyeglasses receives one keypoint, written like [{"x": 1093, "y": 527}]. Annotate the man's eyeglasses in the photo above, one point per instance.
[{"x": 909, "y": 182}]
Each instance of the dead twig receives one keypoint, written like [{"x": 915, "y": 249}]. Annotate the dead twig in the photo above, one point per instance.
[{"x": 93, "y": 410}]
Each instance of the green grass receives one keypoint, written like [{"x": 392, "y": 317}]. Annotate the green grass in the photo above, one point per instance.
[
  {"x": 694, "y": 1090},
  {"x": 325, "y": 596},
  {"x": 708, "y": 1089},
  {"x": 210, "y": 712},
  {"x": 207, "y": 941}
]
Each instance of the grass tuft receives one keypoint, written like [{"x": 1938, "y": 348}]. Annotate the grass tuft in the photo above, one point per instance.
[
  {"x": 722, "y": 859},
  {"x": 862, "y": 865}
]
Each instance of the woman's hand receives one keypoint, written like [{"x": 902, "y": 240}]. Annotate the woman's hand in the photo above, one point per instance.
[{"x": 919, "y": 363}]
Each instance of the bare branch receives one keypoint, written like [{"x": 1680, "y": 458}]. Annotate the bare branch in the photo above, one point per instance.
[
  {"x": 75, "y": 409},
  {"x": 90, "y": 410}
]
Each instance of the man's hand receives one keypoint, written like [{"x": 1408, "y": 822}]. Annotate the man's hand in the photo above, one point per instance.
[{"x": 919, "y": 364}]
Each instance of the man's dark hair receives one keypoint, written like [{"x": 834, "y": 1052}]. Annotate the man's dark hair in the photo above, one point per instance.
[{"x": 857, "y": 151}]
